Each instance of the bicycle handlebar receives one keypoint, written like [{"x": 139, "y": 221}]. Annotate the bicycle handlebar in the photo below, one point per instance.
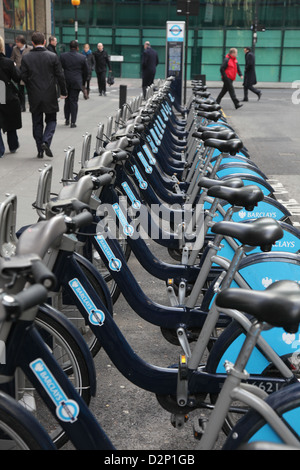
[
  {"x": 80, "y": 220},
  {"x": 14, "y": 305},
  {"x": 43, "y": 275}
]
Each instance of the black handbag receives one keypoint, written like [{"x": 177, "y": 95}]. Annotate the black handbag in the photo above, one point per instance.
[{"x": 110, "y": 79}]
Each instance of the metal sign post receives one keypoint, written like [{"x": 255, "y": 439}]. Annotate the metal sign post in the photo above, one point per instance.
[{"x": 175, "y": 52}]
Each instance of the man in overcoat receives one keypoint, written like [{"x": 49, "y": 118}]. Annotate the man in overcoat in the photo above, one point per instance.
[
  {"x": 41, "y": 70},
  {"x": 250, "y": 75},
  {"x": 149, "y": 64}
]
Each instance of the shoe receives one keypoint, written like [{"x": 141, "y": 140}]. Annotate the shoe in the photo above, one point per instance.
[
  {"x": 67, "y": 122},
  {"x": 46, "y": 149},
  {"x": 104, "y": 94},
  {"x": 40, "y": 154},
  {"x": 73, "y": 125},
  {"x": 259, "y": 95},
  {"x": 23, "y": 110},
  {"x": 100, "y": 94},
  {"x": 239, "y": 105},
  {"x": 245, "y": 99}
]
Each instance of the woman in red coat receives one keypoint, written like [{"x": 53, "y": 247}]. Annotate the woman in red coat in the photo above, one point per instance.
[{"x": 229, "y": 70}]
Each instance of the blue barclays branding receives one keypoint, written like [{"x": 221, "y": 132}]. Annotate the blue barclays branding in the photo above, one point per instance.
[
  {"x": 161, "y": 122},
  {"x": 114, "y": 263},
  {"x": 66, "y": 410},
  {"x": 152, "y": 144},
  {"x": 96, "y": 316},
  {"x": 148, "y": 152},
  {"x": 148, "y": 168},
  {"x": 127, "y": 228},
  {"x": 171, "y": 98},
  {"x": 164, "y": 115},
  {"x": 158, "y": 129},
  {"x": 136, "y": 204},
  {"x": 142, "y": 183},
  {"x": 155, "y": 137}
]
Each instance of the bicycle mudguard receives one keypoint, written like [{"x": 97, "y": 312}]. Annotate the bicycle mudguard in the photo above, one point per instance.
[
  {"x": 268, "y": 207},
  {"x": 259, "y": 271},
  {"x": 285, "y": 402},
  {"x": 65, "y": 322},
  {"x": 230, "y": 169}
]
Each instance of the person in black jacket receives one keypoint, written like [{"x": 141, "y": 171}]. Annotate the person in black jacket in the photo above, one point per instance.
[
  {"x": 250, "y": 75},
  {"x": 149, "y": 64},
  {"x": 41, "y": 70},
  {"x": 101, "y": 63},
  {"x": 10, "y": 107},
  {"x": 52, "y": 44},
  {"x": 91, "y": 65},
  {"x": 76, "y": 72}
]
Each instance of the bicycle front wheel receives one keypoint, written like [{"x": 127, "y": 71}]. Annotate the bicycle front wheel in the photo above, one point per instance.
[
  {"x": 254, "y": 428},
  {"x": 18, "y": 428}
]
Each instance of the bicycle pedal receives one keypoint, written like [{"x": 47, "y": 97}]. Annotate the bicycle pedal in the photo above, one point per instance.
[{"x": 199, "y": 426}]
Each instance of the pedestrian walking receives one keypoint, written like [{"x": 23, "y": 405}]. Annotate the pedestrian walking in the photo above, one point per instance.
[
  {"x": 91, "y": 65},
  {"x": 102, "y": 62},
  {"x": 229, "y": 70},
  {"x": 250, "y": 74},
  {"x": 52, "y": 44},
  {"x": 149, "y": 64},
  {"x": 40, "y": 70},
  {"x": 75, "y": 69},
  {"x": 20, "y": 50},
  {"x": 10, "y": 108}
]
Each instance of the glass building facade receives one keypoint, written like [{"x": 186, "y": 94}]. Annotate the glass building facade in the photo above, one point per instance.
[{"x": 124, "y": 25}]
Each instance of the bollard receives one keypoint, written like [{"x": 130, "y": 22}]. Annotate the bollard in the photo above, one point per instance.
[{"x": 122, "y": 95}]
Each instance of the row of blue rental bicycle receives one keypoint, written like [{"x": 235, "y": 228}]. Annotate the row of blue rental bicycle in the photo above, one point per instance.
[{"x": 182, "y": 177}]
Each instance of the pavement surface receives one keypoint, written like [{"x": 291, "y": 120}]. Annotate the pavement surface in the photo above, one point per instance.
[{"x": 132, "y": 417}]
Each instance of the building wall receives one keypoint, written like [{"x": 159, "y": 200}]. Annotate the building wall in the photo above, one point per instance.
[
  {"x": 123, "y": 26},
  {"x": 23, "y": 17}
]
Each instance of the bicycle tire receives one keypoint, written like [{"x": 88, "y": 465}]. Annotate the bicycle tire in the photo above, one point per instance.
[
  {"x": 74, "y": 363},
  {"x": 253, "y": 427},
  {"x": 19, "y": 430}
]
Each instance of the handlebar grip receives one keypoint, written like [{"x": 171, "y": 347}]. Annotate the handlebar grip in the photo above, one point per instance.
[
  {"x": 80, "y": 220},
  {"x": 43, "y": 275},
  {"x": 103, "y": 180},
  {"x": 120, "y": 156},
  {"x": 134, "y": 141},
  {"x": 139, "y": 127},
  {"x": 16, "y": 304}
]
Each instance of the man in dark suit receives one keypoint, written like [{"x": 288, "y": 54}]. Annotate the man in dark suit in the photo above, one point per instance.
[
  {"x": 76, "y": 71},
  {"x": 149, "y": 64},
  {"x": 40, "y": 71}
]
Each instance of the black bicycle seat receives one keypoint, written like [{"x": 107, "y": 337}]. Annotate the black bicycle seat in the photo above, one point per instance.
[
  {"x": 226, "y": 134},
  {"x": 203, "y": 94},
  {"x": 278, "y": 305},
  {"x": 208, "y": 107},
  {"x": 262, "y": 232},
  {"x": 231, "y": 146},
  {"x": 212, "y": 116},
  {"x": 204, "y": 101},
  {"x": 212, "y": 128},
  {"x": 246, "y": 196},
  {"x": 205, "y": 182}
]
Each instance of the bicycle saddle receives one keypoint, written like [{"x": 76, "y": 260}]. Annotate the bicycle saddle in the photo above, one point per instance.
[
  {"x": 221, "y": 135},
  {"x": 204, "y": 101},
  {"x": 262, "y": 232},
  {"x": 208, "y": 107},
  {"x": 212, "y": 116},
  {"x": 205, "y": 182},
  {"x": 231, "y": 146},
  {"x": 211, "y": 128},
  {"x": 246, "y": 196},
  {"x": 203, "y": 94},
  {"x": 278, "y": 305}
]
